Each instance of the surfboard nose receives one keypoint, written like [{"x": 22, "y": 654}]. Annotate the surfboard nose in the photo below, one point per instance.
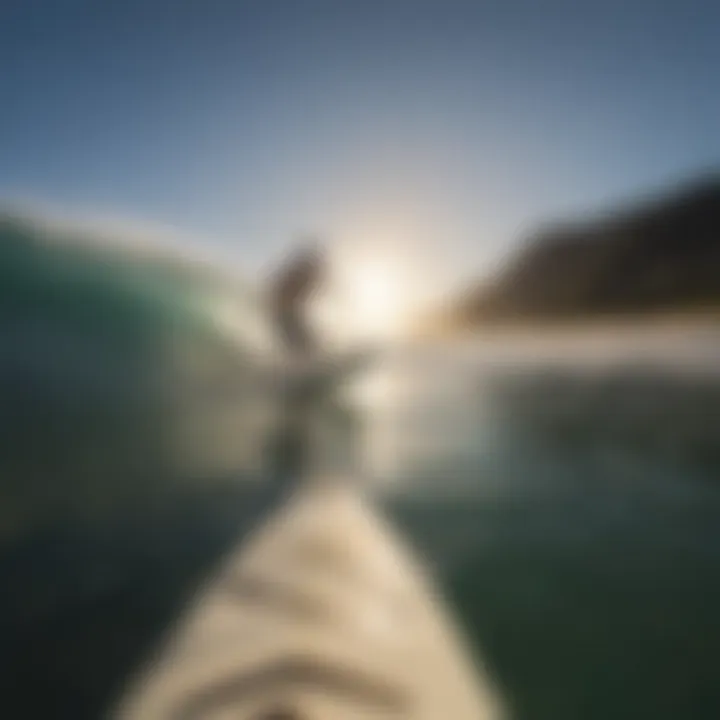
[{"x": 324, "y": 614}]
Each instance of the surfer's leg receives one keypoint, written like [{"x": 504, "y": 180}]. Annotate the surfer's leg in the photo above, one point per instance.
[
  {"x": 284, "y": 330},
  {"x": 295, "y": 332},
  {"x": 289, "y": 447}
]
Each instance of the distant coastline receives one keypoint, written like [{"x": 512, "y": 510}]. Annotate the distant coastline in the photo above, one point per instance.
[
  {"x": 655, "y": 263},
  {"x": 672, "y": 320}
]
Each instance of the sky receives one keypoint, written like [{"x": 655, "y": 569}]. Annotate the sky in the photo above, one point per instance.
[{"x": 455, "y": 127}]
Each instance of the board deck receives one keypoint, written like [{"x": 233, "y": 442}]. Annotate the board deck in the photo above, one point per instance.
[
  {"x": 323, "y": 616},
  {"x": 321, "y": 372},
  {"x": 335, "y": 364}
]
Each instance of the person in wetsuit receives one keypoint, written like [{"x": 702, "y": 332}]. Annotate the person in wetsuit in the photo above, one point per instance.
[{"x": 289, "y": 294}]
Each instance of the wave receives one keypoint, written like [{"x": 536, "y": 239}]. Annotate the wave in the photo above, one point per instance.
[{"x": 107, "y": 352}]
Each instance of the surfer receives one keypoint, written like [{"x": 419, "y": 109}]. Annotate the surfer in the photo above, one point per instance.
[
  {"x": 311, "y": 395},
  {"x": 290, "y": 292}
]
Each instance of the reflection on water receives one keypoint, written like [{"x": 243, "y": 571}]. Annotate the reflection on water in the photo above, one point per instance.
[
  {"x": 620, "y": 405},
  {"x": 571, "y": 500}
]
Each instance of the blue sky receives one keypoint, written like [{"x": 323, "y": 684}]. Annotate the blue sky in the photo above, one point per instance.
[{"x": 460, "y": 124}]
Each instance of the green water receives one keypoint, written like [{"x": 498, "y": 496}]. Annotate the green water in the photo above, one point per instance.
[{"x": 573, "y": 513}]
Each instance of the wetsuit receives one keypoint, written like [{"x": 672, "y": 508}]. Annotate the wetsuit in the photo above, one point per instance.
[{"x": 290, "y": 295}]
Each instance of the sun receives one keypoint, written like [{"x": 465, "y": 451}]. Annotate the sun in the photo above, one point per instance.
[
  {"x": 379, "y": 298},
  {"x": 371, "y": 299}
]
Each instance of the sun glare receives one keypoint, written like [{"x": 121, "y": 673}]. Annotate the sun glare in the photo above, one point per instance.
[
  {"x": 372, "y": 300},
  {"x": 378, "y": 297}
]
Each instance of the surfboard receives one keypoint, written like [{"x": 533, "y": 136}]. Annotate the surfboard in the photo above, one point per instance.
[
  {"x": 324, "y": 615},
  {"x": 316, "y": 373},
  {"x": 328, "y": 364}
]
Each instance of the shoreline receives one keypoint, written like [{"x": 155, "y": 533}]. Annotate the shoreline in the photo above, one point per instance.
[{"x": 590, "y": 325}]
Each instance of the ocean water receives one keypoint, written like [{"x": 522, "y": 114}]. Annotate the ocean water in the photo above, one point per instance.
[
  {"x": 565, "y": 488},
  {"x": 571, "y": 504}
]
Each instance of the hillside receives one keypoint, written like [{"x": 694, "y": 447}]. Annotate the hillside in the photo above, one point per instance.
[{"x": 661, "y": 256}]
